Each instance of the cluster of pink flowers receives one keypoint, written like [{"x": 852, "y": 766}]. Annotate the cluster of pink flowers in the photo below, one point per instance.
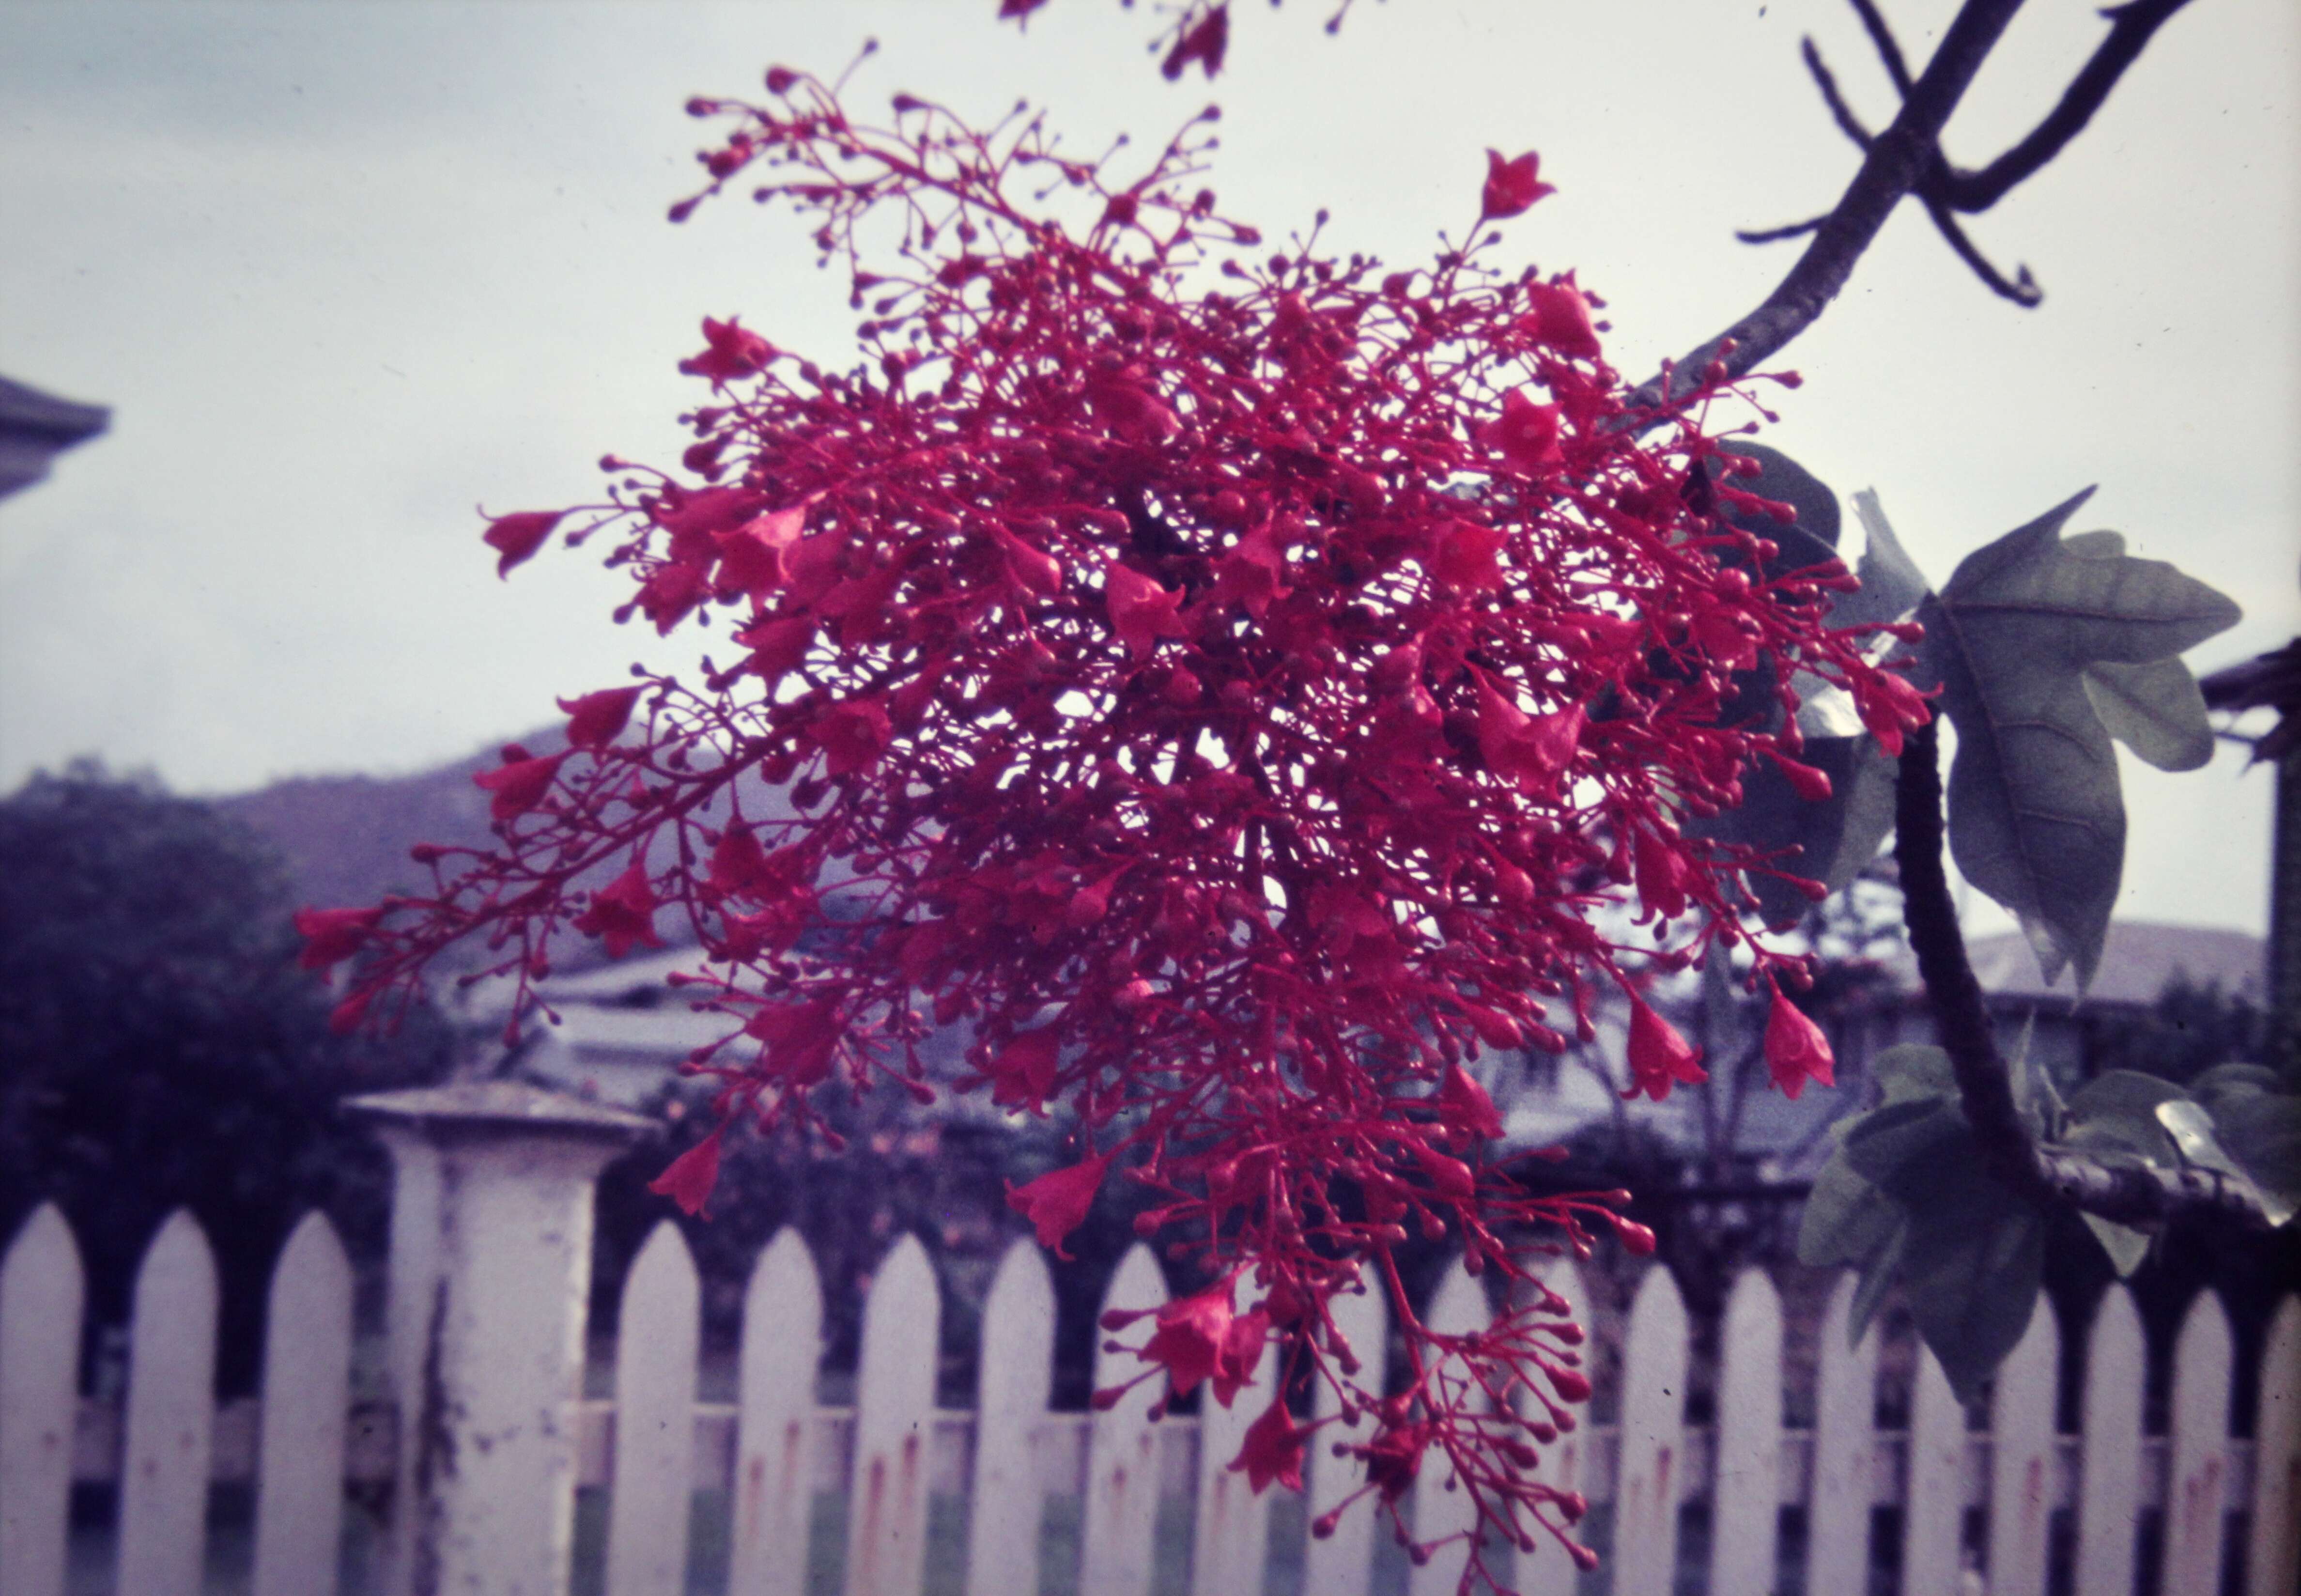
[{"x": 1230, "y": 682}]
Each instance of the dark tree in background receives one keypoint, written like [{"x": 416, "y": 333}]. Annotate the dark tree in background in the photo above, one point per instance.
[{"x": 162, "y": 1048}]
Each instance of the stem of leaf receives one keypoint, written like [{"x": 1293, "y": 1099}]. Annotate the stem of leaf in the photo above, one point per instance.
[
  {"x": 2143, "y": 1195},
  {"x": 1984, "y": 1083}
]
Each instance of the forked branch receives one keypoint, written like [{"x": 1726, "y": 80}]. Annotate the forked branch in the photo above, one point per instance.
[
  {"x": 1893, "y": 162},
  {"x": 1906, "y": 159}
]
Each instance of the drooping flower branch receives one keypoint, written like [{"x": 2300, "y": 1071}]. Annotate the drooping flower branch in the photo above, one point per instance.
[{"x": 1235, "y": 685}]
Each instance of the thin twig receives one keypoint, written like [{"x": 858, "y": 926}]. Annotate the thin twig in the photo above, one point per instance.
[
  {"x": 1889, "y": 49},
  {"x": 1826, "y": 81},
  {"x": 2022, "y": 290},
  {"x": 1775, "y": 235}
]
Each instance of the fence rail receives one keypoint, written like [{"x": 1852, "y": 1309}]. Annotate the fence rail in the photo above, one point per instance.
[{"x": 774, "y": 1447}]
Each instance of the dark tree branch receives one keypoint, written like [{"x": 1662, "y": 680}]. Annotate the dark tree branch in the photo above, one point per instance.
[
  {"x": 1984, "y": 1083},
  {"x": 2135, "y": 1194},
  {"x": 2021, "y": 289},
  {"x": 1891, "y": 167},
  {"x": 2131, "y": 26},
  {"x": 2130, "y": 29},
  {"x": 1907, "y": 158}
]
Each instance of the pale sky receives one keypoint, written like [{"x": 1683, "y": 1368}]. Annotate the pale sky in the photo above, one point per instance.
[{"x": 344, "y": 271}]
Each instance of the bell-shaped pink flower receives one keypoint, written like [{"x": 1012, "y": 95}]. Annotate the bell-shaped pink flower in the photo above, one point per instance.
[
  {"x": 1512, "y": 186},
  {"x": 690, "y": 1176},
  {"x": 1057, "y": 1203},
  {"x": 1660, "y": 1058},
  {"x": 1797, "y": 1051},
  {"x": 1272, "y": 1449}
]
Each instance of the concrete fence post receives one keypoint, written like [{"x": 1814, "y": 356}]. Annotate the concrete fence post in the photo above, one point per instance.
[{"x": 489, "y": 1277}]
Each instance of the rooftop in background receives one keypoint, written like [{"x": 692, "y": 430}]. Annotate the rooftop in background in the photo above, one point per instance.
[
  {"x": 2140, "y": 958},
  {"x": 37, "y": 427}
]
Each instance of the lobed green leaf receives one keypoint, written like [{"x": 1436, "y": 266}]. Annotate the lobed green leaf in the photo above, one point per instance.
[{"x": 2037, "y": 816}]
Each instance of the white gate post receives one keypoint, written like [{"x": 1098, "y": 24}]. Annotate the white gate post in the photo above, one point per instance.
[{"x": 490, "y": 1274}]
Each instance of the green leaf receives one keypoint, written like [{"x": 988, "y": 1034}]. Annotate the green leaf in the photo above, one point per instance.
[
  {"x": 1974, "y": 1252},
  {"x": 2194, "y": 1133},
  {"x": 2209, "y": 1086},
  {"x": 1893, "y": 1146},
  {"x": 2155, "y": 709},
  {"x": 1914, "y": 1070},
  {"x": 2117, "y": 1138},
  {"x": 1866, "y": 797},
  {"x": 1879, "y": 1274},
  {"x": 1891, "y": 583},
  {"x": 2262, "y": 1131},
  {"x": 1829, "y": 840},
  {"x": 2121, "y": 1094},
  {"x": 2036, "y": 818},
  {"x": 2116, "y": 1113},
  {"x": 2121, "y": 1127},
  {"x": 1812, "y": 537},
  {"x": 2095, "y": 546},
  {"x": 1846, "y": 1220},
  {"x": 1973, "y": 1267},
  {"x": 2126, "y": 1245}
]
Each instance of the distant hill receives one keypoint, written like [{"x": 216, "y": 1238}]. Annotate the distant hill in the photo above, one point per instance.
[{"x": 346, "y": 838}]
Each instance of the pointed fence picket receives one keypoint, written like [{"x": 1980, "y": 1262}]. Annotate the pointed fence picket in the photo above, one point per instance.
[
  {"x": 308, "y": 1361},
  {"x": 163, "y": 1494},
  {"x": 42, "y": 1291},
  {"x": 774, "y": 1461},
  {"x": 2109, "y": 1454},
  {"x": 1015, "y": 1381},
  {"x": 776, "y": 1447},
  {"x": 1342, "y": 1564},
  {"x": 2021, "y": 1452},
  {"x": 1845, "y": 1449},
  {"x": 659, "y": 1337},
  {"x": 1653, "y": 1445},
  {"x": 2273, "y": 1559},
  {"x": 1934, "y": 1506},
  {"x": 1122, "y": 1481},
  {"x": 894, "y": 1417},
  {"x": 1231, "y": 1538},
  {"x": 2197, "y": 1485},
  {"x": 1746, "y": 1500}
]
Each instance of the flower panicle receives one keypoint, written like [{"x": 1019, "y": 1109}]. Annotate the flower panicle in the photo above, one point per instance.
[{"x": 1225, "y": 686}]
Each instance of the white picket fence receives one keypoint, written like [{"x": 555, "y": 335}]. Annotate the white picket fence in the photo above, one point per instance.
[{"x": 776, "y": 1447}]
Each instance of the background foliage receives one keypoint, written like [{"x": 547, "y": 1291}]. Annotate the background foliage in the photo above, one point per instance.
[{"x": 164, "y": 1051}]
